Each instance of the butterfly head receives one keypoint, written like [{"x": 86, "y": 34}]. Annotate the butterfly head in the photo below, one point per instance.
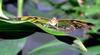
[{"x": 53, "y": 21}]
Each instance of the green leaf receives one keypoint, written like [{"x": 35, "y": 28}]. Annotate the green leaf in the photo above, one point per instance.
[
  {"x": 91, "y": 10},
  {"x": 52, "y": 31},
  {"x": 11, "y": 47},
  {"x": 66, "y": 6},
  {"x": 55, "y": 47},
  {"x": 19, "y": 29},
  {"x": 95, "y": 50},
  {"x": 51, "y": 48},
  {"x": 88, "y": 10},
  {"x": 15, "y": 29}
]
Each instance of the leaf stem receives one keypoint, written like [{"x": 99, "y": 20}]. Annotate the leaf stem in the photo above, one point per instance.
[
  {"x": 79, "y": 44},
  {"x": 20, "y": 8},
  {"x": 1, "y": 11}
]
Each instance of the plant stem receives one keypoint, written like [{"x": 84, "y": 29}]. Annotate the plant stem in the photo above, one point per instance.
[
  {"x": 79, "y": 44},
  {"x": 0, "y": 5},
  {"x": 1, "y": 11},
  {"x": 20, "y": 8}
]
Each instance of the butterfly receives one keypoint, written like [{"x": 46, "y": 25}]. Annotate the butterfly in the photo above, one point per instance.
[
  {"x": 66, "y": 25},
  {"x": 69, "y": 25}
]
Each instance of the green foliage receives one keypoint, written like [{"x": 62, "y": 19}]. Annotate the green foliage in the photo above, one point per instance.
[
  {"x": 18, "y": 28},
  {"x": 94, "y": 50},
  {"x": 67, "y": 9},
  {"x": 52, "y": 31},
  {"x": 15, "y": 30},
  {"x": 51, "y": 48},
  {"x": 11, "y": 47},
  {"x": 10, "y": 30}
]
